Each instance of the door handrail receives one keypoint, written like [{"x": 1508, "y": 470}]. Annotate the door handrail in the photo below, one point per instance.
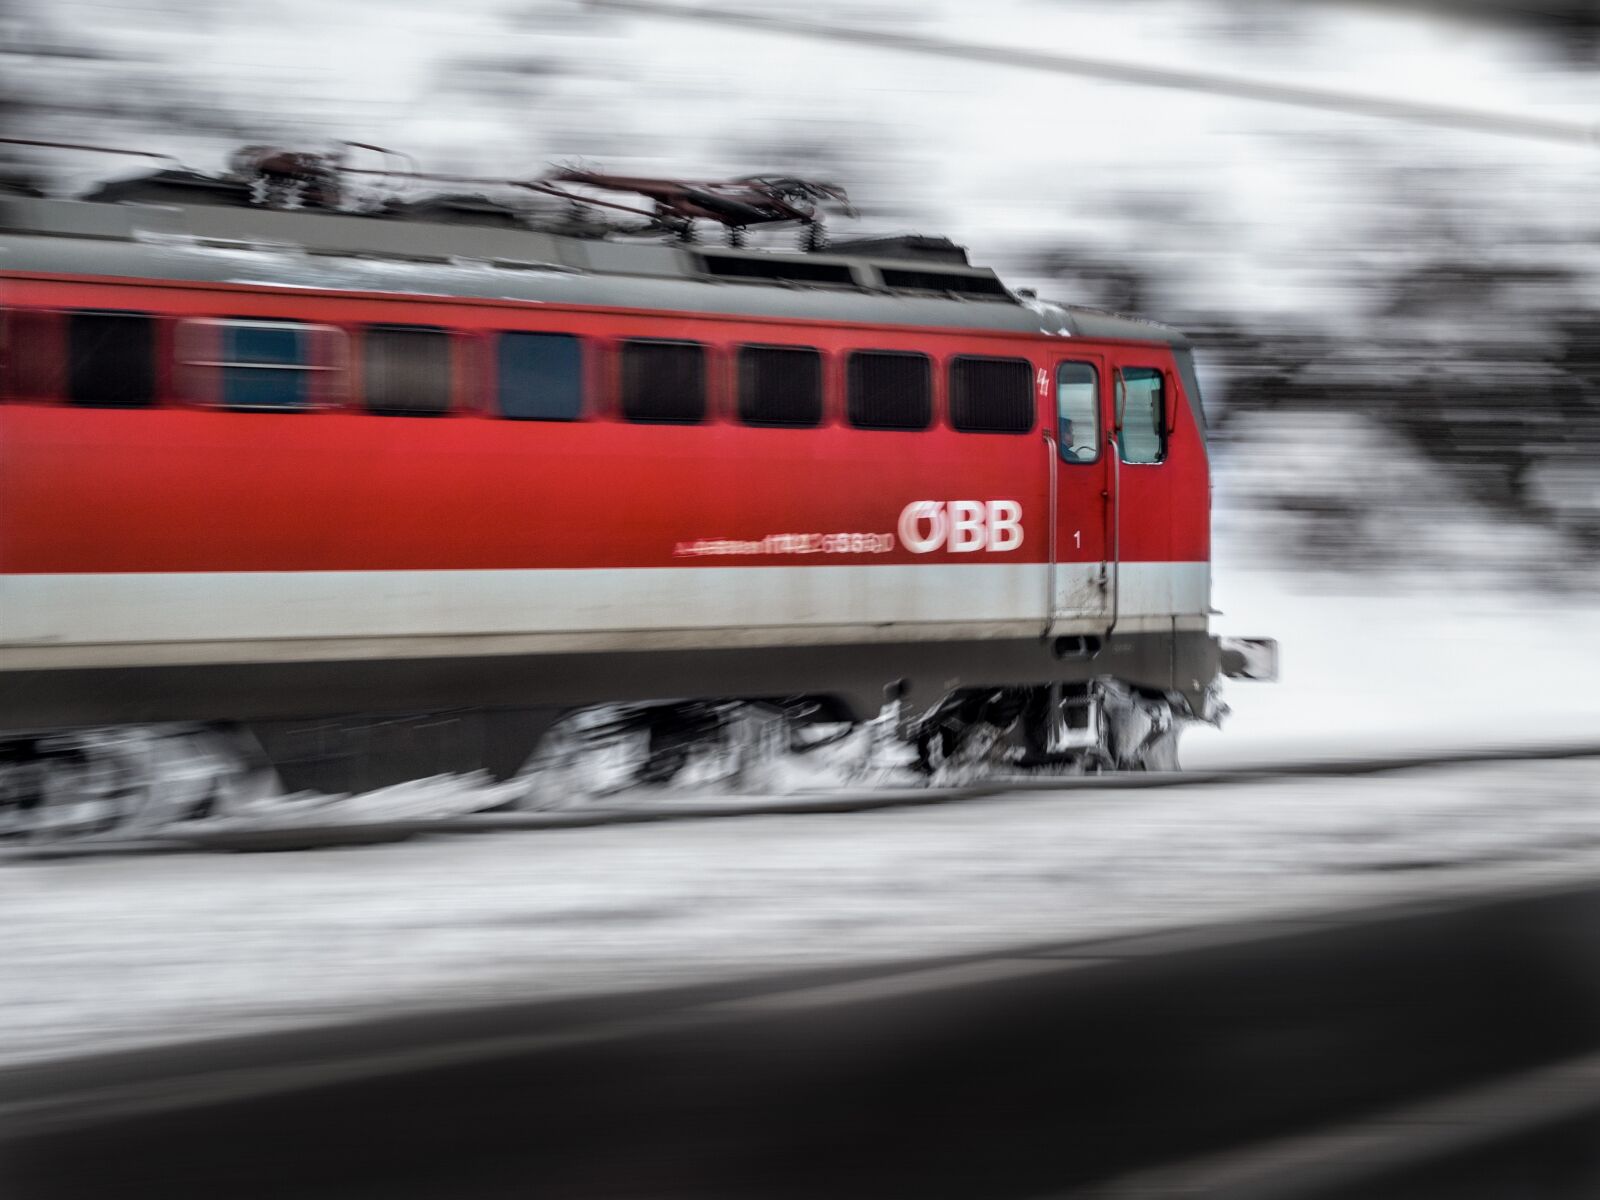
[
  {"x": 1053, "y": 451},
  {"x": 1114, "y": 449},
  {"x": 1115, "y": 512}
]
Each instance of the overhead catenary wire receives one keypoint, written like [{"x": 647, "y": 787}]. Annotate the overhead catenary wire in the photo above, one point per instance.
[{"x": 1525, "y": 126}]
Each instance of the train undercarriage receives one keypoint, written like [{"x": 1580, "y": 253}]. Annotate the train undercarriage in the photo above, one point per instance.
[{"x": 128, "y": 780}]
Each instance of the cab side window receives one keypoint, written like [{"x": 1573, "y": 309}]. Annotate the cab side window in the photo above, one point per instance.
[
  {"x": 1141, "y": 415},
  {"x": 1078, "y": 412}
]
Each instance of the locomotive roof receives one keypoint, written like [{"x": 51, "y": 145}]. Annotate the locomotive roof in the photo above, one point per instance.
[{"x": 915, "y": 281}]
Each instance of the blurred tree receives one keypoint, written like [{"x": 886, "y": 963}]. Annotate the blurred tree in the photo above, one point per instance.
[
  {"x": 1477, "y": 355},
  {"x": 1570, "y": 27}
]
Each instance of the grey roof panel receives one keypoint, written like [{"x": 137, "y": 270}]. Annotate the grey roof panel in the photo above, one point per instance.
[
  {"x": 351, "y": 253},
  {"x": 1094, "y": 323},
  {"x": 277, "y": 267}
]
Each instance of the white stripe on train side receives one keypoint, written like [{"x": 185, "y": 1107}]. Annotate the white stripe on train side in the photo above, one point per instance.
[{"x": 780, "y": 605}]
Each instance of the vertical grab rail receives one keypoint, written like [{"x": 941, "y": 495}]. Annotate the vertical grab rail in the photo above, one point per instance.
[
  {"x": 1055, "y": 519},
  {"x": 1114, "y": 507}
]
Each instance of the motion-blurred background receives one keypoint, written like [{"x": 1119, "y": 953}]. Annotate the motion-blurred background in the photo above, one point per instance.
[
  {"x": 1377, "y": 222},
  {"x": 1397, "y": 320}
]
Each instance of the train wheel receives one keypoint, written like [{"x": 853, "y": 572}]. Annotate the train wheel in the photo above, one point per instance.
[
  {"x": 586, "y": 754},
  {"x": 935, "y": 747},
  {"x": 1160, "y": 752},
  {"x": 1142, "y": 729},
  {"x": 1060, "y": 725}
]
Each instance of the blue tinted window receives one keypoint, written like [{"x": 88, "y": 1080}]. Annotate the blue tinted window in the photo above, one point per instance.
[
  {"x": 281, "y": 380},
  {"x": 1141, "y": 413},
  {"x": 539, "y": 377},
  {"x": 1078, "y": 412}
]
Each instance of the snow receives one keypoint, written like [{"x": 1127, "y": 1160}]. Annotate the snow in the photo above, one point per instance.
[
  {"x": 1457, "y": 642},
  {"x": 1370, "y": 671},
  {"x": 119, "y": 952}
]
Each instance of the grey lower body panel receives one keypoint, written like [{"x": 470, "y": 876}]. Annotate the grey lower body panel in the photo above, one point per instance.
[
  {"x": 352, "y": 725},
  {"x": 855, "y": 674}
]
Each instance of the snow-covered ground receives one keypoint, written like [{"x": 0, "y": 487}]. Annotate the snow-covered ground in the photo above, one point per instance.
[
  {"x": 1372, "y": 666},
  {"x": 119, "y": 952},
  {"x": 1462, "y": 630}
]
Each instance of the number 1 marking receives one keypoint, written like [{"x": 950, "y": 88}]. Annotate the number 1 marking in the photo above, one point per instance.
[{"x": 1077, "y": 539}]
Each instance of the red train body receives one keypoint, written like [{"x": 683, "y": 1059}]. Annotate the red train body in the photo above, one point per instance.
[{"x": 307, "y": 472}]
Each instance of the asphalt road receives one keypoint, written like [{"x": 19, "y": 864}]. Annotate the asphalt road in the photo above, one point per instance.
[{"x": 1251, "y": 1053}]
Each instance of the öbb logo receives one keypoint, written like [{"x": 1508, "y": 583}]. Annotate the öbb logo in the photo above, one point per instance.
[{"x": 961, "y": 526}]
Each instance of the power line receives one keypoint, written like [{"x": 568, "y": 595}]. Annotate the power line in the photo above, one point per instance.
[{"x": 1414, "y": 112}]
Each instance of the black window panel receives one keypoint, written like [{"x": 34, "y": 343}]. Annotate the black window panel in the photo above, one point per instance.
[
  {"x": 890, "y": 390},
  {"x": 780, "y": 385},
  {"x": 406, "y": 370},
  {"x": 991, "y": 395},
  {"x": 904, "y": 279},
  {"x": 780, "y": 269},
  {"x": 111, "y": 359},
  {"x": 664, "y": 382}
]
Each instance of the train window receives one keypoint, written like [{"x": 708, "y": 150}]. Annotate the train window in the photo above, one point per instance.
[
  {"x": 260, "y": 366},
  {"x": 110, "y": 359},
  {"x": 1078, "y": 412},
  {"x": 664, "y": 382},
  {"x": 539, "y": 377},
  {"x": 991, "y": 395},
  {"x": 780, "y": 385},
  {"x": 406, "y": 370},
  {"x": 890, "y": 390},
  {"x": 1141, "y": 415}
]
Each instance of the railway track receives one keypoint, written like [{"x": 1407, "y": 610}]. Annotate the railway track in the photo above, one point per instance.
[
  {"x": 309, "y": 829},
  {"x": 1418, "y": 1051}
]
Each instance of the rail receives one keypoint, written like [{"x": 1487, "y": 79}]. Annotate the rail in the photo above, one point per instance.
[{"x": 270, "y": 836}]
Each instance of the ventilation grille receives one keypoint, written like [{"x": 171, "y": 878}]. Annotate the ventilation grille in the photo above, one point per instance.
[
  {"x": 902, "y": 279},
  {"x": 779, "y": 270},
  {"x": 991, "y": 395},
  {"x": 780, "y": 385},
  {"x": 890, "y": 391}
]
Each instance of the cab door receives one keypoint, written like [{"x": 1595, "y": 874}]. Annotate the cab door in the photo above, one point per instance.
[{"x": 1082, "y": 486}]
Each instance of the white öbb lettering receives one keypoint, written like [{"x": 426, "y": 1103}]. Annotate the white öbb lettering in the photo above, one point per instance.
[{"x": 961, "y": 526}]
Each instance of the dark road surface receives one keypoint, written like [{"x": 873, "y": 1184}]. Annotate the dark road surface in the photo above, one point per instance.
[{"x": 1385, "y": 1055}]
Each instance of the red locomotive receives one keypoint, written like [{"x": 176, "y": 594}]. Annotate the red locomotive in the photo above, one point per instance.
[{"x": 394, "y": 490}]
